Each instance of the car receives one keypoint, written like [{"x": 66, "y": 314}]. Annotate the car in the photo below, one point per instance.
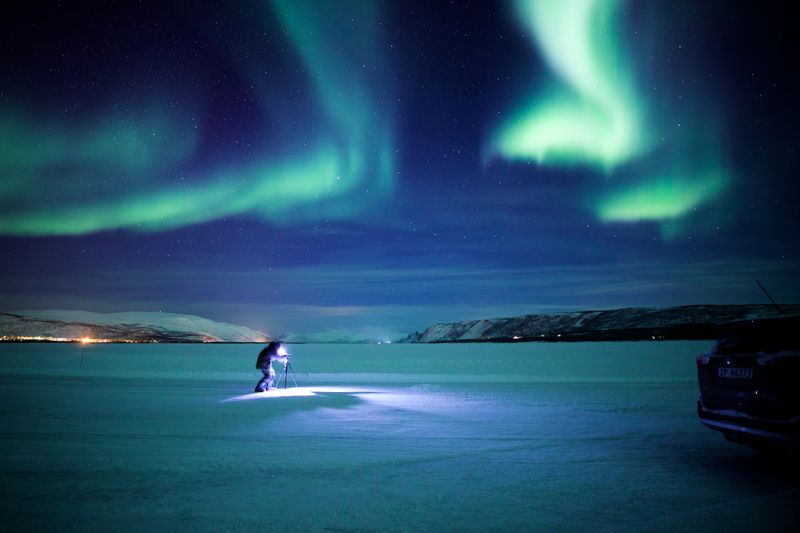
[{"x": 750, "y": 384}]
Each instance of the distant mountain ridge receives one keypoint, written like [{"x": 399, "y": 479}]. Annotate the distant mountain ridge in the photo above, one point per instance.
[
  {"x": 334, "y": 337},
  {"x": 127, "y": 326},
  {"x": 630, "y": 323}
]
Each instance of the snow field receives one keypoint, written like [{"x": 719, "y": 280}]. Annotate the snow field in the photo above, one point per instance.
[{"x": 566, "y": 437}]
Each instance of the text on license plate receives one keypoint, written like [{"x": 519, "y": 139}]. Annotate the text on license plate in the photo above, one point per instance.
[{"x": 735, "y": 373}]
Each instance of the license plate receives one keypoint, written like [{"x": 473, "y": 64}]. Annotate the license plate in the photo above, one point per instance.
[{"x": 735, "y": 373}]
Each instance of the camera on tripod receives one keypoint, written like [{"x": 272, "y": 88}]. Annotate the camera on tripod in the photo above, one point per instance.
[{"x": 287, "y": 370}]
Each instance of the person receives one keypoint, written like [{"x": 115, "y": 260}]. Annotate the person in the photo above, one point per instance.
[{"x": 275, "y": 351}]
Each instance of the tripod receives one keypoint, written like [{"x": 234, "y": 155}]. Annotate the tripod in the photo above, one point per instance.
[{"x": 285, "y": 373}]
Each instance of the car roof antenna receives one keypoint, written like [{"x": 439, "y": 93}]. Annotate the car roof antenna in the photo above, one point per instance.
[{"x": 778, "y": 307}]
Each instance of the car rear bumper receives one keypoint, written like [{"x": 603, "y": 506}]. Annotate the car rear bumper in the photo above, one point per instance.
[{"x": 740, "y": 427}]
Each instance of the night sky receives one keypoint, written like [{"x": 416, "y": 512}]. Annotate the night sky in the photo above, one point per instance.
[{"x": 374, "y": 167}]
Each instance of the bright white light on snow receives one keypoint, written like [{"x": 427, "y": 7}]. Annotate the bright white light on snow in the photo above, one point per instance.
[
  {"x": 277, "y": 393},
  {"x": 298, "y": 392}
]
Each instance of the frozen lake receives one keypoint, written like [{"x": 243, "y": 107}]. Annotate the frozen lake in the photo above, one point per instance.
[{"x": 468, "y": 437}]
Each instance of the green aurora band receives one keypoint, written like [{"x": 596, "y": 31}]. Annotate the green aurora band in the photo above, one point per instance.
[
  {"x": 679, "y": 182},
  {"x": 110, "y": 173},
  {"x": 664, "y": 199},
  {"x": 594, "y": 117},
  {"x": 593, "y": 114}
]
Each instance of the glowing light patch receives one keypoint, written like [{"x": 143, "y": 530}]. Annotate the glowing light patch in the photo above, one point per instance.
[
  {"x": 594, "y": 116},
  {"x": 294, "y": 392},
  {"x": 299, "y": 392}
]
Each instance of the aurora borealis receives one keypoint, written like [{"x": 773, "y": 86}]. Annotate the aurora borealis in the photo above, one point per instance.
[
  {"x": 598, "y": 118},
  {"x": 304, "y": 166},
  {"x": 337, "y": 152},
  {"x": 593, "y": 114}
]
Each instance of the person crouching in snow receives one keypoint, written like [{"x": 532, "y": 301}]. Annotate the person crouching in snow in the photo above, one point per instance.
[{"x": 275, "y": 351}]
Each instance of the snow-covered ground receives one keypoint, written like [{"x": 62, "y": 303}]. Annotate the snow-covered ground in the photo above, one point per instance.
[{"x": 480, "y": 437}]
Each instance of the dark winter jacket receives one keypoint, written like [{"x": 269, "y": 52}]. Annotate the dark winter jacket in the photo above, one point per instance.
[{"x": 269, "y": 354}]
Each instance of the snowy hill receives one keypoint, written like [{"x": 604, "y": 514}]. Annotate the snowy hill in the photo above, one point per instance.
[
  {"x": 685, "y": 322},
  {"x": 132, "y": 326}
]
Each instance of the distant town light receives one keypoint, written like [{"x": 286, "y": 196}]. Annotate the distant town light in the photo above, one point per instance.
[{"x": 81, "y": 340}]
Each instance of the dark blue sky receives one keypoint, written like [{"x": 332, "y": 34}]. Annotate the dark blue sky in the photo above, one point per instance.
[{"x": 374, "y": 167}]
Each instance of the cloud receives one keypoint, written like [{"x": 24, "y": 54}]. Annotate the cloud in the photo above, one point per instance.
[{"x": 355, "y": 299}]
